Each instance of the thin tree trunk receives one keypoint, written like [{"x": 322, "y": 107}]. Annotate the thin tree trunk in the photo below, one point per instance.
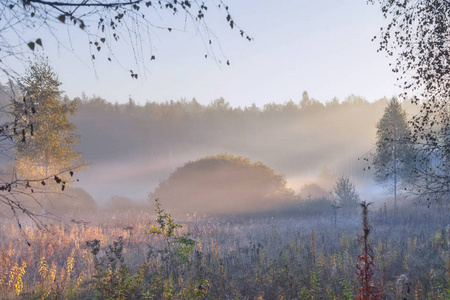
[
  {"x": 395, "y": 189},
  {"x": 395, "y": 169}
]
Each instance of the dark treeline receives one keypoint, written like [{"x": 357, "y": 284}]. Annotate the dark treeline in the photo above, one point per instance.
[{"x": 133, "y": 147}]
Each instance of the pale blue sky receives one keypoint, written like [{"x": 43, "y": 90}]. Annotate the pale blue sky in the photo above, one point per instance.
[{"x": 322, "y": 46}]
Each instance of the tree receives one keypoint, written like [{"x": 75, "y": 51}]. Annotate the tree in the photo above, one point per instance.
[
  {"x": 105, "y": 24},
  {"x": 309, "y": 103},
  {"x": 223, "y": 184},
  {"x": 394, "y": 157},
  {"x": 47, "y": 147},
  {"x": 306, "y": 101},
  {"x": 417, "y": 35},
  {"x": 345, "y": 193}
]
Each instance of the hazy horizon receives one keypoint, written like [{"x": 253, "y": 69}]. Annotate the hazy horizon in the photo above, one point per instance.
[{"x": 297, "y": 143}]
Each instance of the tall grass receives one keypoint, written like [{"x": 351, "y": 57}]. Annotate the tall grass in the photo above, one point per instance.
[{"x": 229, "y": 258}]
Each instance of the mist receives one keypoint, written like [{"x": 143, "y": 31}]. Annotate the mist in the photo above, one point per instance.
[{"x": 132, "y": 148}]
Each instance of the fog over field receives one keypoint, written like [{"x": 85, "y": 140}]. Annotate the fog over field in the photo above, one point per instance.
[
  {"x": 131, "y": 148},
  {"x": 229, "y": 149}
]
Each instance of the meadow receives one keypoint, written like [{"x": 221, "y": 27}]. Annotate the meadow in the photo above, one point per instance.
[{"x": 120, "y": 255}]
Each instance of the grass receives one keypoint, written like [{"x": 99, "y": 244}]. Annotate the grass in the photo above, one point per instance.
[{"x": 228, "y": 258}]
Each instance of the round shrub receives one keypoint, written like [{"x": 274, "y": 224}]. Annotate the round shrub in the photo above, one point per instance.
[{"x": 222, "y": 184}]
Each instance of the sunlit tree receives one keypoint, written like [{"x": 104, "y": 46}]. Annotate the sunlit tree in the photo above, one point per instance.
[{"x": 45, "y": 147}]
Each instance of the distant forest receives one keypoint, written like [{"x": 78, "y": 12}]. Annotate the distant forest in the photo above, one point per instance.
[
  {"x": 132, "y": 148},
  {"x": 142, "y": 144}
]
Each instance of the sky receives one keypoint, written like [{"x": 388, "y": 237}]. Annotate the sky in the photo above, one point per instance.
[{"x": 323, "y": 47}]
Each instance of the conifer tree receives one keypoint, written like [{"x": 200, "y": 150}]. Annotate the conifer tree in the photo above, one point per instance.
[
  {"x": 416, "y": 36},
  {"x": 394, "y": 158}
]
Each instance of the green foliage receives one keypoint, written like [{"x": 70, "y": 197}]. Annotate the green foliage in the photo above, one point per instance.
[
  {"x": 176, "y": 247},
  {"x": 314, "y": 290},
  {"x": 348, "y": 289},
  {"x": 46, "y": 145},
  {"x": 112, "y": 278},
  {"x": 166, "y": 224}
]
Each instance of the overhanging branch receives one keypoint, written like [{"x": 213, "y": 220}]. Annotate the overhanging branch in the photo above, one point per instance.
[{"x": 83, "y": 4}]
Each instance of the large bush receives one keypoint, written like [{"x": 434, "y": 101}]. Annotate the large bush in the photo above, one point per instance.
[{"x": 222, "y": 184}]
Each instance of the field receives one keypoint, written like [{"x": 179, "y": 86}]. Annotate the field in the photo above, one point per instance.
[{"x": 121, "y": 256}]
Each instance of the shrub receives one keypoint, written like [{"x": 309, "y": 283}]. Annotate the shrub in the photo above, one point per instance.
[{"x": 222, "y": 184}]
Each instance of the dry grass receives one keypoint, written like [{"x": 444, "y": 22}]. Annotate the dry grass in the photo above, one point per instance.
[{"x": 234, "y": 258}]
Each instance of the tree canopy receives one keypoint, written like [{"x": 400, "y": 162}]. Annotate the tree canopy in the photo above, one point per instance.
[
  {"x": 222, "y": 184},
  {"x": 417, "y": 36},
  {"x": 43, "y": 139},
  {"x": 47, "y": 147},
  {"x": 394, "y": 157}
]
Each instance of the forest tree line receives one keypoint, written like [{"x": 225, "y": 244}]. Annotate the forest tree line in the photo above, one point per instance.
[{"x": 295, "y": 138}]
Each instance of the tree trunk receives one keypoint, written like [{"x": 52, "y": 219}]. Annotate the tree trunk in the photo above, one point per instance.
[{"x": 395, "y": 170}]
